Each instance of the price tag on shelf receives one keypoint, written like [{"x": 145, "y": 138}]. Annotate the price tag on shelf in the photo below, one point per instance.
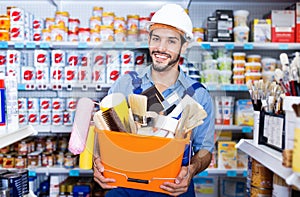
[
  {"x": 31, "y": 173},
  {"x": 129, "y": 45},
  {"x": 30, "y": 45},
  {"x": 283, "y": 46},
  {"x": 231, "y": 173},
  {"x": 243, "y": 87},
  {"x": 203, "y": 173},
  {"x": 19, "y": 45},
  {"x": 245, "y": 173},
  {"x": 21, "y": 87},
  {"x": 144, "y": 45},
  {"x": 119, "y": 45},
  {"x": 229, "y": 46},
  {"x": 246, "y": 129},
  {"x": 248, "y": 46},
  {"x": 44, "y": 45},
  {"x": 74, "y": 172},
  {"x": 3, "y": 45},
  {"x": 205, "y": 46},
  {"x": 82, "y": 45}
]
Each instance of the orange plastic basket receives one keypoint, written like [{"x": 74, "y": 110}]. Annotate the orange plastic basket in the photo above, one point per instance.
[{"x": 140, "y": 162}]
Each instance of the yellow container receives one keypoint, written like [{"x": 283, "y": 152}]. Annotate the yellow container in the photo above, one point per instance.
[
  {"x": 140, "y": 162},
  {"x": 296, "y": 150}
]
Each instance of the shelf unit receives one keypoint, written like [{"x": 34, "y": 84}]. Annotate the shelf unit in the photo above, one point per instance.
[
  {"x": 12, "y": 137},
  {"x": 270, "y": 158}
]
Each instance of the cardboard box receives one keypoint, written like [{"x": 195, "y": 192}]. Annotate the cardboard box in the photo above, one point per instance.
[
  {"x": 227, "y": 155},
  {"x": 244, "y": 112},
  {"x": 261, "y": 30},
  {"x": 206, "y": 186},
  {"x": 140, "y": 162},
  {"x": 283, "y": 25}
]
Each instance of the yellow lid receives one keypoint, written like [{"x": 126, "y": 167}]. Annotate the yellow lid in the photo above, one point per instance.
[
  {"x": 98, "y": 18},
  {"x": 108, "y": 14},
  {"x": 64, "y": 13},
  {"x": 97, "y": 8},
  {"x": 133, "y": 16}
]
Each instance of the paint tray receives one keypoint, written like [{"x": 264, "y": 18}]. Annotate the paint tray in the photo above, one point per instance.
[{"x": 140, "y": 162}]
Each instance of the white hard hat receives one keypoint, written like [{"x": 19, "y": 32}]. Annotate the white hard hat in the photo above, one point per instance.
[{"x": 174, "y": 15}]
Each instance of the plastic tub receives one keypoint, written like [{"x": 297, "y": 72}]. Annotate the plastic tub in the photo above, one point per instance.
[
  {"x": 252, "y": 76},
  {"x": 225, "y": 76},
  {"x": 240, "y": 17},
  {"x": 211, "y": 76},
  {"x": 238, "y": 71},
  {"x": 224, "y": 63},
  {"x": 238, "y": 79},
  {"x": 253, "y": 67},
  {"x": 268, "y": 76},
  {"x": 253, "y": 58},
  {"x": 268, "y": 64},
  {"x": 239, "y": 56},
  {"x": 239, "y": 63},
  {"x": 210, "y": 64},
  {"x": 241, "y": 34}
]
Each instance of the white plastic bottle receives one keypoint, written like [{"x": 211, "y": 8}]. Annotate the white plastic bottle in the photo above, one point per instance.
[{"x": 12, "y": 110}]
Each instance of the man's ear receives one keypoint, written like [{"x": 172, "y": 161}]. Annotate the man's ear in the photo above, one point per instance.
[{"x": 184, "y": 47}]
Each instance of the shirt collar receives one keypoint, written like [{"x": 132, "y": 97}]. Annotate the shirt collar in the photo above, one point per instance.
[{"x": 181, "y": 80}]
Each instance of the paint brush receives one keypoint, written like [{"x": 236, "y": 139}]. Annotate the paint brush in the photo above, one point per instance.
[{"x": 138, "y": 105}]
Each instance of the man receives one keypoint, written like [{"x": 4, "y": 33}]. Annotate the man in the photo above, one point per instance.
[{"x": 170, "y": 30}]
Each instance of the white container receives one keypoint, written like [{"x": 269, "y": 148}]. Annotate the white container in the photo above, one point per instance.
[
  {"x": 240, "y": 17},
  {"x": 268, "y": 64},
  {"x": 211, "y": 76},
  {"x": 290, "y": 120},
  {"x": 225, "y": 76},
  {"x": 241, "y": 34}
]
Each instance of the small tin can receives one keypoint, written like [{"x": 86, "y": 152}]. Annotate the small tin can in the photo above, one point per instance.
[
  {"x": 97, "y": 11},
  {"x": 4, "y": 35},
  {"x": 74, "y": 24},
  {"x": 47, "y": 159},
  {"x": 22, "y": 104},
  {"x": 71, "y": 74},
  {"x": 113, "y": 73},
  {"x": 41, "y": 57},
  {"x": 62, "y": 18},
  {"x": 2, "y": 58},
  {"x": 33, "y": 118},
  {"x": 17, "y": 32},
  {"x": 56, "y": 75},
  {"x": 85, "y": 59},
  {"x": 13, "y": 58},
  {"x": 38, "y": 24},
  {"x": 113, "y": 58},
  {"x": 95, "y": 23},
  {"x": 98, "y": 74},
  {"x": 84, "y": 75},
  {"x": 119, "y": 23},
  {"x": 8, "y": 161},
  {"x": 95, "y": 36},
  {"x": 132, "y": 22},
  {"x": 28, "y": 75},
  {"x": 23, "y": 147},
  {"x": 42, "y": 75},
  {"x": 127, "y": 58},
  {"x": 33, "y": 104},
  {"x": 34, "y": 159},
  {"x": 37, "y": 35},
  {"x": 140, "y": 59},
  {"x": 73, "y": 58},
  {"x": 71, "y": 104},
  {"x": 58, "y": 58},
  {"x": 57, "y": 118},
  {"x": 23, "y": 118},
  {"x": 68, "y": 117},
  {"x": 108, "y": 18},
  {"x": 49, "y": 22},
  {"x": 58, "y": 104},
  {"x": 107, "y": 33},
  {"x": 120, "y": 35},
  {"x": 69, "y": 160},
  {"x": 84, "y": 34},
  {"x": 73, "y": 36},
  {"x": 99, "y": 58},
  {"x": 60, "y": 157},
  {"x": 45, "y": 117},
  {"x": 45, "y": 104},
  {"x": 17, "y": 16},
  {"x": 21, "y": 162}
]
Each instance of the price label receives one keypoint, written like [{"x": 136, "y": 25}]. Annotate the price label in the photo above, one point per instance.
[
  {"x": 74, "y": 173},
  {"x": 245, "y": 173},
  {"x": 82, "y": 45},
  {"x": 203, "y": 173},
  {"x": 205, "y": 46},
  {"x": 19, "y": 45},
  {"x": 44, "y": 45},
  {"x": 3, "y": 45},
  {"x": 31, "y": 173},
  {"x": 30, "y": 45},
  {"x": 248, "y": 46},
  {"x": 229, "y": 46},
  {"x": 283, "y": 46},
  {"x": 246, "y": 129},
  {"x": 231, "y": 173}
]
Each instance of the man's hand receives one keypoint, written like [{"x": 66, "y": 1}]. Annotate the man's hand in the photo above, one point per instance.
[
  {"x": 98, "y": 175},
  {"x": 181, "y": 184}
]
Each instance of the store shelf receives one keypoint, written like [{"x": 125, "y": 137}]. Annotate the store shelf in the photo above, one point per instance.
[
  {"x": 225, "y": 172},
  {"x": 58, "y": 170},
  {"x": 53, "y": 128},
  {"x": 144, "y": 45},
  {"x": 236, "y": 128},
  {"x": 269, "y": 157},
  {"x": 9, "y": 138}
]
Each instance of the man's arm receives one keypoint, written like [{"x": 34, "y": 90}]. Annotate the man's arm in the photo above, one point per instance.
[{"x": 200, "y": 161}]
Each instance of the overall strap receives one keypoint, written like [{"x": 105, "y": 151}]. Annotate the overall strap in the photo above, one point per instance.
[
  {"x": 136, "y": 82},
  {"x": 191, "y": 90}
]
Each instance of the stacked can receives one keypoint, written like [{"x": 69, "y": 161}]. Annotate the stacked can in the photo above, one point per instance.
[
  {"x": 95, "y": 25},
  {"x": 113, "y": 66},
  {"x": 38, "y": 25},
  {"x": 33, "y": 107},
  {"x": 127, "y": 61},
  {"x": 140, "y": 60},
  {"x": 3, "y": 61},
  {"x": 74, "y": 24},
  {"x": 143, "y": 33},
  {"x": 71, "y": 69},
  {"x": 17, "y": 18},
  {"x": 98, "y": 67},
  {"x": 14, "y": 61},
  {"x": 45, "y": 111},
  {"x": 58, "y": 107},
  {"x": 5, "y": 26},
  {"x": 23, "y": 111},
  {"x": 40, "y": 69},
  {"x": 132, "y": 28},
  {"x": 69, "y": 113}
]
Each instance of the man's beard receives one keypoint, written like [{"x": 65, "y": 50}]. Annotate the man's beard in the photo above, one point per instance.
[{"x": 171, "y": 64}]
